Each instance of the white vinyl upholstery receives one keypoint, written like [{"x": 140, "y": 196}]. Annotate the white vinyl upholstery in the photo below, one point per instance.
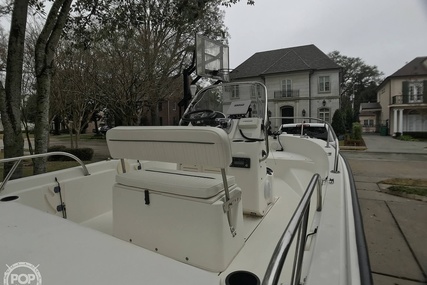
[
  {"x": 187, "y": 145},
  {"x": 179, "y": 214},
  {"x": 176, "y": 182}
]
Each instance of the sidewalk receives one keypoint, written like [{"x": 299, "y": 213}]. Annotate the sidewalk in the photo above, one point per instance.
[{"x": 395, "y": 227}]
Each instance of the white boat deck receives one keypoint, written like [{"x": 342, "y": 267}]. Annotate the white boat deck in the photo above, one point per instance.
[
  {"x": 67, "y": 253},
  {"x": 64, "y": 242}
]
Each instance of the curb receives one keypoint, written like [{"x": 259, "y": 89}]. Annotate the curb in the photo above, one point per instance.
[{"x": 350, "y": 148}]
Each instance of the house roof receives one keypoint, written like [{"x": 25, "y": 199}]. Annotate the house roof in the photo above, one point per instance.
[
  {"x": 366, "y": 114},
  {"x": 374, "y": 105},
  {"x": 291, "y": 59},
  {"x": 418, "y": 66},
  {"x": 369, "y": 107}
]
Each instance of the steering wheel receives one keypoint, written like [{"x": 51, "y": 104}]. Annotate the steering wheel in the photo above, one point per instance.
[{"x": 199, "y": 116}]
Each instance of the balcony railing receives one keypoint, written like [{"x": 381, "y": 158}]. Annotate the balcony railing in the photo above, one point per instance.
[
  {"x": 408, "y": 99},
  {"x": 286, "y": 94}
]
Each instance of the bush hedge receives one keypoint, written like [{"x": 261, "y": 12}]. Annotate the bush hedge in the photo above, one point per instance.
[
  {"x": 350, "y": 142},
  {"x": 356, "y": 132},
  {"x": 85, "y": 154},
  {"x": 418, "y": 135}
]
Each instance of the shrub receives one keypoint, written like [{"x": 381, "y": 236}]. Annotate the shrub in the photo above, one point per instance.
[
  {"x": 56, "y": 148},
  {"x": 350, "y": 142},
  {"x": 85, "y": 154},
  {"x": 418, "y": 135},
  {"x": 406, "y": 138},
  {"x": 338, "y": 123},
  {"x": 356, "y": 132},
  {"x": 349, "y": 119}
]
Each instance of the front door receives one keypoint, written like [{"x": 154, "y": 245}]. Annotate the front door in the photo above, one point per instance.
[{"x": 287, "y": 111}]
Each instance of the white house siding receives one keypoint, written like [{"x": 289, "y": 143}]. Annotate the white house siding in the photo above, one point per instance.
[
  {"x": 331, "y": 98},
  {"x": 384, "y": 98},
  {"x": 410, "y": 117},
  {"x": 299, "y": 82}
]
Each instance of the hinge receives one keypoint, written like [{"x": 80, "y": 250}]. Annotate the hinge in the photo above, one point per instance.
[{"x": 230, "y": 203}]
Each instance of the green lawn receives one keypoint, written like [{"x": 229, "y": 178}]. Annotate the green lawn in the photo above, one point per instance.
[
  {"x": 407, "y": 185},
  {"x": 421, "y": 191}
]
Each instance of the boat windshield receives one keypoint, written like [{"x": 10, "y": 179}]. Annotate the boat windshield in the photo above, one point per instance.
[{"x": 230, "y": 100}]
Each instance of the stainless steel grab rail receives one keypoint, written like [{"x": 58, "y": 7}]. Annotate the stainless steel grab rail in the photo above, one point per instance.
[
  {"x": 20, "y": 158},
  {"x": 299, "y": 221}
]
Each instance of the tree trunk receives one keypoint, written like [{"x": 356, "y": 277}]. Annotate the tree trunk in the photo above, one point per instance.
[
  {"x": 10, "y": 103},
  {"x": 46, "y": 45},
  {"x": 41, "y": 129},
  {"x": 154, "y": 117},
  {"x": 57, "y": 125}
]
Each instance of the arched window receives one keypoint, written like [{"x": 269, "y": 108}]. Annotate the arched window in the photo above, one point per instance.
[{"x": 324, "y": 114}]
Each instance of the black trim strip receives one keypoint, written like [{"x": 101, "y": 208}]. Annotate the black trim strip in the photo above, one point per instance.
[
  {"x": 182, "y": 174},
  {"x": 147, "y": 197},
  {"x": 191, "y": 142},
  {"x": 362, "y": 248}
]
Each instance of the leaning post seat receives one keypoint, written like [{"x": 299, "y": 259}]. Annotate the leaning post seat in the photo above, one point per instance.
[{"x": 193, "y": 217}]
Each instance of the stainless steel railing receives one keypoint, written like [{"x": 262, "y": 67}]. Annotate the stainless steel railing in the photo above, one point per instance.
[
  {"x": 297, "y": 225},
  {"x": 20, "y": 158}
]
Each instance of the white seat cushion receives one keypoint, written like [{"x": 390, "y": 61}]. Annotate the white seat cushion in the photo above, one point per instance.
[{"x": 176, "y": 182}]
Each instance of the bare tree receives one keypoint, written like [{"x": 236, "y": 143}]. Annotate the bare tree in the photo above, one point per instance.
[
  {"x": 73, "y": 89},
  {"x": 163, "y": 26},
  {"x": 46, "y": 45},
  {"x": 10, "y": 95},
  {"x": 144, "y": 47},
  {"x": 29, "y": 83}
]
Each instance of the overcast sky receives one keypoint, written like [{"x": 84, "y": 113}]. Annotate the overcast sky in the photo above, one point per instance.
[{"x": 385, "y": 33}]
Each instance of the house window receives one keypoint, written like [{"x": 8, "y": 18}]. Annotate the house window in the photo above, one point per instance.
[
  {"x": 415, "y": 92},
  {"x": 235, "y": 92},
  {"x": 368, "y": 123},
  {"x": 255, "y": 92},
  {"x": 414, "y": 122},
  {"x": 324, "y": 114},
  {"x": 160, "y": 106},
  {"x": 324, "y": 84},
  {"x": 254, "y": 110},
  {"x": 287, "y": 88}
]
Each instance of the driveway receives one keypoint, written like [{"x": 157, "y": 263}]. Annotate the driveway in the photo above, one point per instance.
[{"x": 387, "y": 144}]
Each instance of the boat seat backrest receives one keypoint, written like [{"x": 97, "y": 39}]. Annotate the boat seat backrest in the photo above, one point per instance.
[{"x": 178, "y": 144}]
